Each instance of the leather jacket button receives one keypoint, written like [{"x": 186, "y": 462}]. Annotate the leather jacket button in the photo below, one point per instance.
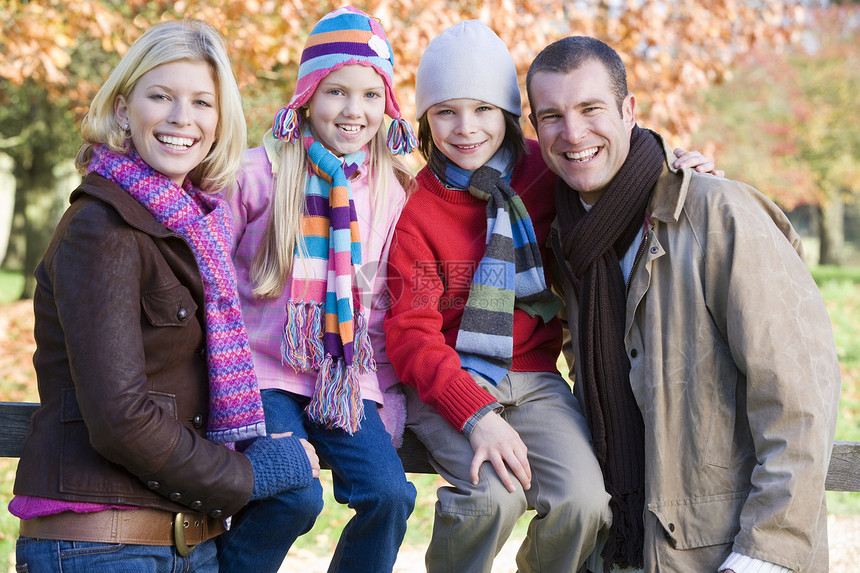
[
  {"x": 175, "y": 496},
  {"x": 182, "y": 314},
  {"x": 195, "y": 504},
  {"x": 216, "y": 513},
  {"x": 634, "y": 353},
  {"x": 152, "y": 484},
  {"x": 672, "y": 527},
  {"x": 654, "y": 250},
  {"x": 197, "y": 421}
]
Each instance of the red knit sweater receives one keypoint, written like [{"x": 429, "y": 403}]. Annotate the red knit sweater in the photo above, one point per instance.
[{"x": 438, "y": 242}]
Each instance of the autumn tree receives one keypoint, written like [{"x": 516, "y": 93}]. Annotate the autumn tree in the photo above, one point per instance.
[
  {"x": 787, "y": 122},
  {"x": 56, "y": 53}
]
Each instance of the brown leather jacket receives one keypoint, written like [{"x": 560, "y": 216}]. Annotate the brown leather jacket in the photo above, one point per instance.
[{"x": 121, "y": 367}]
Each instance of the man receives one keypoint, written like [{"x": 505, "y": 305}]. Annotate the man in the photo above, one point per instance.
[{"x": 704, "y": 356}]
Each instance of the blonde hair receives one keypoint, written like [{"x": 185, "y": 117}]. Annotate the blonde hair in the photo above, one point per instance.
[
  {"x": 273, "y": 262},
  {"x": 164, "y": 43}
]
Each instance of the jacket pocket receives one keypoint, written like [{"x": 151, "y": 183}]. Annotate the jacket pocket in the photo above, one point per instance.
[
  {"x": 700, "y": 522},
  {"x": 171, "y": 306}
]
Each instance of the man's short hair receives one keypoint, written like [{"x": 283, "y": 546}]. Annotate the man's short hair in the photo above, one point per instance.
[{"x": 572, "y": 53}]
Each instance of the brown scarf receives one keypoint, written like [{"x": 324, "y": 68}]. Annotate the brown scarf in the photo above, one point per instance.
[{"x": 592, "y": 244}]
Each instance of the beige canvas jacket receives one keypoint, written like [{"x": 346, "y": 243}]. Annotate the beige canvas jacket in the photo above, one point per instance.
[{"x": 734, "y": 368}]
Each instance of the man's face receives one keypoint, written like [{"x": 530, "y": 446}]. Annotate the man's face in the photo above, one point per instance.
[{"x": 583, "y": 137}]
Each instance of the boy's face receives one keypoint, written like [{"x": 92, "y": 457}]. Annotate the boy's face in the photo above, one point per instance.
[{"x": 467, "y": 131}]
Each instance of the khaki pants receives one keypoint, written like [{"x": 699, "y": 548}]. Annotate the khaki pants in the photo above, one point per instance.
[{"x": 472, "y": 522}]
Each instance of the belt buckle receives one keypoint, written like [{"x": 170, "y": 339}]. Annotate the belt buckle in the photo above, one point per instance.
[{"x": 179, "y": 525}]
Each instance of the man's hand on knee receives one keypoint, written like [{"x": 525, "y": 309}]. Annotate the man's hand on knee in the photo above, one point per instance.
[{"x": 494, "y": 440}]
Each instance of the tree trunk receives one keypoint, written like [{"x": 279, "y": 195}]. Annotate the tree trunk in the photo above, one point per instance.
[
  {"x": 7, "y": 204},
  {"x": 42, "y": 201},
  {"x": 832, "y": 251}
]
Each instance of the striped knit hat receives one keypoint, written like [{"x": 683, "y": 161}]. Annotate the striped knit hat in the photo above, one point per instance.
[{"x": 343, "y": 37}]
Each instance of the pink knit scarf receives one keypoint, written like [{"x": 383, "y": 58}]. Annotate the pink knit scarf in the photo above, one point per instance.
[{"x": 203, "y": 220}]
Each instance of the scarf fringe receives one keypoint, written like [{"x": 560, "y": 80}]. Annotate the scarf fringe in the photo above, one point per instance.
[
  {"x": 336, "y": 401},
  {"x": 626, "y": 536},
  {"x": 362, "y": 348},
  {"x": 302, "y": 346}
]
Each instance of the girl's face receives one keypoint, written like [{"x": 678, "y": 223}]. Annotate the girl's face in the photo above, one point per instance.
[
  {"x": 347, "y": 108},
  {"x": 467, "y": 131},
  {"x": 172, "y": 114}
]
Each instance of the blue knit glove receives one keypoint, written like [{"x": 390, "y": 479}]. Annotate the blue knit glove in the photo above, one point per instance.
[{"x": 280, "y": 464}]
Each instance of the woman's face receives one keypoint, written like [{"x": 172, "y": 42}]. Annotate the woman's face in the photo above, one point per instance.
[
  {"x": 467, "y": 131},
  {"x": 347, "y": 108},
  {"x": 172, "y": 114}
]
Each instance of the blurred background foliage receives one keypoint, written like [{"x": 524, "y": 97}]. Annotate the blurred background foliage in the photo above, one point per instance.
[{"x": 766, "y": 87}]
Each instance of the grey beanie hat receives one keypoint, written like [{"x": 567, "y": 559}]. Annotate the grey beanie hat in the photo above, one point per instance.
[{"x": 467, "y": 60}]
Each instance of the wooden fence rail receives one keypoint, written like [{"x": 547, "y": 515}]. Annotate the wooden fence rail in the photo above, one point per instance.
[{"x": 842, "y": 475}]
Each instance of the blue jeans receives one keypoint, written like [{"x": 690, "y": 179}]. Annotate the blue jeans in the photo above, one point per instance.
[
  {"x": 47, "y": 555},
  {"x": 367, "y": 475}
]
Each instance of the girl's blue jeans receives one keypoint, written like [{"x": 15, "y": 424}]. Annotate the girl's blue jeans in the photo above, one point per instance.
[{"x": 367, "y": 476}]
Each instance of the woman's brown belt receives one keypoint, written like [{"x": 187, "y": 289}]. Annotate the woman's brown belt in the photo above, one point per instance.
[{"x": 132, "y": 526}]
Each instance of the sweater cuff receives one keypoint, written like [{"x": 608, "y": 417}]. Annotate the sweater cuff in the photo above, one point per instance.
[
  {"x": 461, "y": 399},
  {"x": 742, "y": 564},
  {"x": 280, "y": 464}
]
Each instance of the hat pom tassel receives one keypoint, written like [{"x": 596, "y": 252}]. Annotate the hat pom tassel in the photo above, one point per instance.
[
  {"x": 401, "y": 138},
  {"x": 286, "y": 125}
]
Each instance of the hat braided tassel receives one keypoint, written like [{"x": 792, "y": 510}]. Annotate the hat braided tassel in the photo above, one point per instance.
[
  {"x": 401, "y": 138},
  {"x": 286, "y": 125}
]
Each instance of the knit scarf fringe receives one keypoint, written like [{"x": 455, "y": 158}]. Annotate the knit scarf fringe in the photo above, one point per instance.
[
  {"x": 625, "y": 547},
  {"x": 336, "y": 400}
]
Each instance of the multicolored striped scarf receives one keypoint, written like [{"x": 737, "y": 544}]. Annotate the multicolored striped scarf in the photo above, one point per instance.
[
  {"x": 203, "y": 220},
  {"x": 323, "y": 332},
  {"x": 510, "y": 274}
]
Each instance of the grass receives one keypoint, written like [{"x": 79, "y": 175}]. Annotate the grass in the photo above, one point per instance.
[
  {"x": 11, "y": 284},
  {"x": 840, "y": 288}
]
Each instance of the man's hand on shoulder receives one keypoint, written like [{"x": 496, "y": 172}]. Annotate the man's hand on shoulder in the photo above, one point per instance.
[{"x": 696, "y": 161}]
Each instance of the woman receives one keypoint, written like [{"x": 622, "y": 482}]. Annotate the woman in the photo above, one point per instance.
[{"x": 142, "y": 359}]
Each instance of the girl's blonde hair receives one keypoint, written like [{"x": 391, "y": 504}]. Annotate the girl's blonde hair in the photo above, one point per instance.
[
  {"x": 273, "y": 262},
  {"x": 164, "y": 43}
]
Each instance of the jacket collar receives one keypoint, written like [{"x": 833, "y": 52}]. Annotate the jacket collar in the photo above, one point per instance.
[
  {"x": 132, "y": 212},
  {"x": 671, "y": 189}
]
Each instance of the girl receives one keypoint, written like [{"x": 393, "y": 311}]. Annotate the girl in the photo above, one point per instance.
[
  {"x": 143, "y": 362},
  {"x": 472, "y": 330},
  {"x": 313, "y": 214}
]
